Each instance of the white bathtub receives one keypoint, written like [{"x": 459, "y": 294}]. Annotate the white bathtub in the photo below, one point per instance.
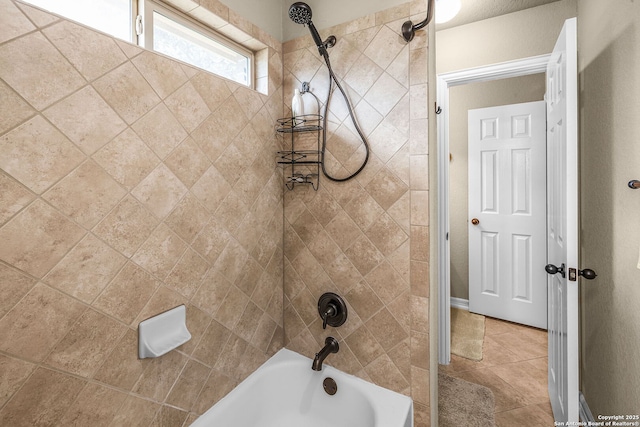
[{"x": 285, "y": 392}]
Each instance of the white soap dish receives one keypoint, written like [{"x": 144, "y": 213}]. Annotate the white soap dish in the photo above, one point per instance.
[{"x": 162, "y": 333}]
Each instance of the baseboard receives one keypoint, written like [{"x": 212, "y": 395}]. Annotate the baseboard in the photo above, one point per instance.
[
  {"x": 585, "y": 412},
  {"x": 462, "y": 304}
]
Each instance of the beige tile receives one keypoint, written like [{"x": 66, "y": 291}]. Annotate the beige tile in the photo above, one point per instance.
[
  {"x": 211, "y": 189},
  {"x": 86, "y": 119},
  {"x": 420, "y": 278},
  {"x": 386, "y": 235},
  {"x": 386, "y": 140},
  {"x": 385, "y": 94},
  {"x": 188, "y": 273},
  {"x": 14, "y": 23},
  {"x": 420, "y": 350},
  {"x": 159, "y": 375},
  {"x": 122, "y": 367},
  {"x": 13, "y": 373},
  {"x": 37, "y": 71},
  {"x": 188, "y": 162},
  {"x": 86, "y": 270},
  {"x": 232, "y": 308},
  {"x": 343, "y": 230},
  {"x": 37, "y": 154},
  {"x": 212, "y": 343},
  {"x": 163, "y": 300},
  {"x": 386, "y": 188},
  {"x": 420, "y": 243},
  {"x": 86, "y": 195},
  {"x": 212, "y": 292},
  {"x": 37, "y": 238},
  {"x": 160, "y": 252},
  {"x": 418, "y": 140},
  {"x": 127, "y": 92},
  {"x": 13, "y": 109},
  {"x": 211, "y": 241},
  {"x": 91, "y": 53},
  {"x": 188, "y": 386},
  {"x": 13, "y": 286},
  {"x": 197, "y": 323},
  {"x": 386, "y": 282},
  {"x": 163, "y": 74},
  {"x": 364, "y": 210},
  {"x": 248, "y": 279},
  {"x": 399, "y": 68},
  {"x": 248, "y": 323},
  {"x": 136, "y": 412},
  {"x": 42, "y": 400},
  {"x": 188, "y": 107},
  {"x": 365, "y": 302},
  {"x": 127, "y": 294},
  {"x": 420, "y": 385},
  {"x": 160, "y": 191},
  {"x": 216, "y": 387},
  {"x": 13, "y": 197},
  {"x": 160, "y": 130},
  {"x": 533, "y": 415},
  {"x": 419, "y": 172},
  {"x": 211, "y": 88},
  {"x": 232, "y": 354},
  {"x": 420, "y": 314},
  {"x": 524, "y": 377},
  {"x": 219, "y": 130},
  {"x": 127, "y": 226},
  {"x": 419, "y": 208},
  {"x": 95, "y": 406},
  {"x": 324, "y": 248},
  {"x": 37, "y": 322},
  {"x": 418, "y": 109},
  {"x": 168, "y": 416},
  {"x": 87, "y": 344},
  {"x": 386, "y": 329},
  {"x": 39, "y": 17},
  {"x": 385, "y": 373},
  {"x": 364, "y": 255},
  {"x": 264, "y": 333},
  {"x": 363, "y": 75},
  {"x": 364, "y": 345},
  {"x": 188, "y": 218},
  {"x": 232, "y": 261},
  {"x": 127, "y": 159}
]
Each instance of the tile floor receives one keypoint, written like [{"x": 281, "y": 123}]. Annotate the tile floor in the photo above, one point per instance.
[{"x": 514, "y": 367}]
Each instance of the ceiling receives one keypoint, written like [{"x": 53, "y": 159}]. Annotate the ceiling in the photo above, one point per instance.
[{"x": 477, "y": 10}]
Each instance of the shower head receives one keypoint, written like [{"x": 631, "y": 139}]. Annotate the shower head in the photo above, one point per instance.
[{"x": 300, "y": 13}]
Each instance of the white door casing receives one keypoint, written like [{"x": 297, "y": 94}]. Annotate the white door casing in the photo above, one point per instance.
[
  {"x": 562, "y": 223},
  {"x": 520, "y": 67},
  {"x": 507, "y": 213}
]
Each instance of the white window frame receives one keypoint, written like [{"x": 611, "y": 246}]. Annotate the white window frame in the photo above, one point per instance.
[{"x": 146, "y": 9}]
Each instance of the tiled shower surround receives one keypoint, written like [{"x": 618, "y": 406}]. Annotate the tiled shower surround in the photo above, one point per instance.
[
  {"x": 131, "y": 183},
  {"x": 366, "y": 239}
]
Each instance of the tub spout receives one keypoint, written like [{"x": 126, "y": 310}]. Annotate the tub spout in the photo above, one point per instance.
[{"x": 330, "y": 346}]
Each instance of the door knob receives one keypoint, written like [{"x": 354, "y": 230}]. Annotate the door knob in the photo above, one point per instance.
[
  {"x": 475, "y": 221},
  {"x": 552, "y": 269},
  {"x": 587, "y": 273}
]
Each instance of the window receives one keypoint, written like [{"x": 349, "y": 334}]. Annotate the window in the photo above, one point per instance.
[
  {"x": 179, "y": 37},
  {"x": 162, "y": 29},
  {"x": 113, "y": 17}
]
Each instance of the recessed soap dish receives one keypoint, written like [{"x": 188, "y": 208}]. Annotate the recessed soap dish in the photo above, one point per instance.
[{"x": 162, "y": 333}]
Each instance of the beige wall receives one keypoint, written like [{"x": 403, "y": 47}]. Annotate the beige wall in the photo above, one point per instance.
[
  {"x": 129, "y": 184},
  {"x": 462, "y": 99},
  {"x": 366, "y": 239},
  {"x": 517, "y": 35},
  {"x": 609, "y": 55}
]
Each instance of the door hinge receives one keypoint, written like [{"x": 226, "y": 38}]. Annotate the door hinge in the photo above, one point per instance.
[{"x": 139, "y": 27}]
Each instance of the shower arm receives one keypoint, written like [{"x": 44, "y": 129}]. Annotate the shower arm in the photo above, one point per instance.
[{"x": 409, "y": 30}]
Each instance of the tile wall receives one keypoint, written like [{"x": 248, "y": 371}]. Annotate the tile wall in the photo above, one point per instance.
[
  {"x": 129, "y": 184},
  {"x": 366, "y": 239}
]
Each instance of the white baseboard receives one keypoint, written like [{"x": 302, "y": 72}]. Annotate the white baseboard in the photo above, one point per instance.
[
  {"x": 462, "y": 304},
  {"x": 585, "y": 412}
]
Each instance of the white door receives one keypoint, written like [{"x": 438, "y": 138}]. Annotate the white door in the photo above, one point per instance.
[
  {"x": 562, "y": 239},
  {"x": 507, "y": 213}
]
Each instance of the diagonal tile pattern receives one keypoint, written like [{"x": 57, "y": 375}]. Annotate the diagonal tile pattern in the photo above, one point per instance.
[
  {"x": 130, "y": 184},
  {"x": 364, "y": 238},
  {"x": 514, "y": 367}
]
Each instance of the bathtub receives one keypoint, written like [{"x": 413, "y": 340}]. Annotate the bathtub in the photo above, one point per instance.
[{"x": 285, "y": 392}]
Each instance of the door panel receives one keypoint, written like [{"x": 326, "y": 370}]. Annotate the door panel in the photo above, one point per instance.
[
  {"x": 562, "y": 233},
  {"x": 507, "y": 194}
]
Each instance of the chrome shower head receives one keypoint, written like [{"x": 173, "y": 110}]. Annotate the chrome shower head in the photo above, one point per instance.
[{"x": 300, "y": 13}]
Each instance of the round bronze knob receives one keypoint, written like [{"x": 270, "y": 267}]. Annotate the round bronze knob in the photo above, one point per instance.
[{"x": 475, "y": 221}]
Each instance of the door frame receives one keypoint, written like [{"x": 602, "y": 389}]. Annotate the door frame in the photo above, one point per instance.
[{"x": 504, "y": 70}]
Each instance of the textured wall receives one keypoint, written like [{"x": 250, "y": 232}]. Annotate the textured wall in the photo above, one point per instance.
[
  {"x": 366, "y": 239},
  {"x": 609, "y": 55},
  {"x": 129, "y": 184}
]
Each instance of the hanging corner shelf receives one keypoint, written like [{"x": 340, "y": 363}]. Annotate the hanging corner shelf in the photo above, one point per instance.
[{"x": 305, "y": 161}]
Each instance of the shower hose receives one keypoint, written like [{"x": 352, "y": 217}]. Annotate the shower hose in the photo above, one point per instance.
[{"x": 333, "y": 79}]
